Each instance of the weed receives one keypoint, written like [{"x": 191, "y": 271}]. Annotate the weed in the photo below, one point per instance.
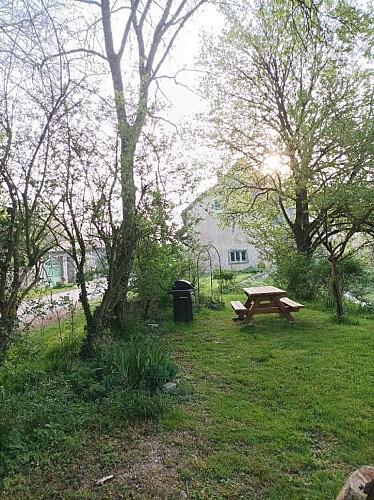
[
  {"x": 50, "y": 399},
  {"x": 138, "y": 364}
]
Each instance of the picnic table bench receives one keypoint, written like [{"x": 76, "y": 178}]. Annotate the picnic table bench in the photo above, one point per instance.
[
  {"x": 290, "y": 304},
  {"x": 265, "y": 300}
]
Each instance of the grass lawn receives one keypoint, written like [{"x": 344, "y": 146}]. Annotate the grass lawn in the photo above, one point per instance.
[
  {"x": 270, "y": 411},
  {"x": 37, "y": 293},
  {"x": 281, "y": 411}
]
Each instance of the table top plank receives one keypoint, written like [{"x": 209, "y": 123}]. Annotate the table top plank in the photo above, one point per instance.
[{"x": 264, "y": 290}]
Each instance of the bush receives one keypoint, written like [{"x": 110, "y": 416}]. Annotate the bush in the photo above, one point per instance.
[
  {"x": 254, "y": 270},
  {"x": 90, "y": 275},
  {"x": 353, "y": 276},
  {"x": 138, "y": 364},
  {"x": 303, "y": 275},
  {"x": 354, "y": 279},
  {"x": 156, "y": 268},
  {"x": 59, "y": 285},
  {"x": 308, "y": 277},
  {"x": 213, "y": 303},
  {"x": 227, "y": 277}
]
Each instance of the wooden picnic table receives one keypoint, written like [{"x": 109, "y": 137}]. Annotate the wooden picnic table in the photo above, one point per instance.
[{"x": 265, "y": 300}]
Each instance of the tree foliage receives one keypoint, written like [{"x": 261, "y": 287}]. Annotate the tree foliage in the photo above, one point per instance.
[
  {"x": 300, "y": 97},
  {"x": 32, "y": 98},
  {"x": 60, "y": 60},
  {"x": 160, "y": 258}
]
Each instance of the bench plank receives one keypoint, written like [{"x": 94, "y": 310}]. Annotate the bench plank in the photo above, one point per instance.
[
  {"x": 291, "y": 304},
  {"x": 238, "y": 307}
]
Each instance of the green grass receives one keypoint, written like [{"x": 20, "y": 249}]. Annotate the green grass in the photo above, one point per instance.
[
  {"x": 38, "y": 293},
  {"x": 285, "y": 409},
  {"x": 270, "y": 411}
]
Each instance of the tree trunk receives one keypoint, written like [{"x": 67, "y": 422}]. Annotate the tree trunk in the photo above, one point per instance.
[
  {"x": 8, "y": 326},
  {"x": 113, "y": 307},
  {"x": 93, "y": 333},
  {"x": 336, "y": 289},
  {"x": 111, "y": 313},
  {"x": 301, "y": 225}
]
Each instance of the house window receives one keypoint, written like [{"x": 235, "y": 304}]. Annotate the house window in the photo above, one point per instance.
[
  {"x": 238, "y": 256},
  {"x": 217, "y": 207}
]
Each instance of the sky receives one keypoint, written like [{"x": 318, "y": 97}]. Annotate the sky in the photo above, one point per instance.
[
  {"x": 184, "y": 57},
  {"x": 184, "y": 101}
]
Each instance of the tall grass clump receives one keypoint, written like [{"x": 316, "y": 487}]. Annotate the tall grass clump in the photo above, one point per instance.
[{"x": 138, "y": 364}]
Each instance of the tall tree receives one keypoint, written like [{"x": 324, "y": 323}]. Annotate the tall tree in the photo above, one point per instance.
[
  {"x": 294, "y": 94},
  {"x": 69, "y": 45},
  {"x": 137, "y": 38},
  {"x": 86, "y": 218},
  {"x": 31, "y": 99}
]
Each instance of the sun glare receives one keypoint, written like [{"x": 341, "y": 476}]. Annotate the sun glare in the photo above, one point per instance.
[{"x": 275, "y": 164}]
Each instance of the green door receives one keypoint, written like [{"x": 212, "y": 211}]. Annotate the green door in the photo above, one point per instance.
[{"x": 53, "y": 271}]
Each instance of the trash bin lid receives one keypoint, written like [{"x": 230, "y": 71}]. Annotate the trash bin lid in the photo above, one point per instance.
[{"x": 182, "y": 285}]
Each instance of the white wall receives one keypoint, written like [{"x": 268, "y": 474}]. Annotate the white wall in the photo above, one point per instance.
[{"x": 209, "y": 232}]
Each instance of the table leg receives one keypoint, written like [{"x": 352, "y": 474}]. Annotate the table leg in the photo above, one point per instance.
[
  {"x": 248, "y": 303},
  {"x": 251, "y": 310},
  {"x": 283, "y": 309}
]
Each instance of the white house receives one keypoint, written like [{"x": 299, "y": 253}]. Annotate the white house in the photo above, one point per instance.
[
  {"x": 59, "y": 267},
  {"x": 202, "y": 219}
]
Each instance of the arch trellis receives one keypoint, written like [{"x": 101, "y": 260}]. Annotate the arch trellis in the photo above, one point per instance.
[{"x": 207, "y": 251}]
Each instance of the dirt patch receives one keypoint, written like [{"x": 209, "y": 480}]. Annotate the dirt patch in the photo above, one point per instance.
[{"x": 151, "y": 471}]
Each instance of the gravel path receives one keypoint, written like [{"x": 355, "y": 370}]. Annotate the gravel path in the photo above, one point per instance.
[{"x": 57, "y": 305}]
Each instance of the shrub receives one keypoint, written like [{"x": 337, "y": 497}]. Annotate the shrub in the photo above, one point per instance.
[
  {"x": 309, "y": 276},
  {"x": 59, "y": 284},
  {"x": 213, "y": 303},
  {"x": 90, "y": 275},
  {"x": 227, "y": 277},
  {"x": 156, "y": 268},
  {"x": 254, "y": 270},
  {"x": 138, "y": 364},
  {"x": 301, "y": 274},
  {"x": 353, "y": 275}
]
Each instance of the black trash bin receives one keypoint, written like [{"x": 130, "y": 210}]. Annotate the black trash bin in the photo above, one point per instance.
[{"x": 182, "y": 292}]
